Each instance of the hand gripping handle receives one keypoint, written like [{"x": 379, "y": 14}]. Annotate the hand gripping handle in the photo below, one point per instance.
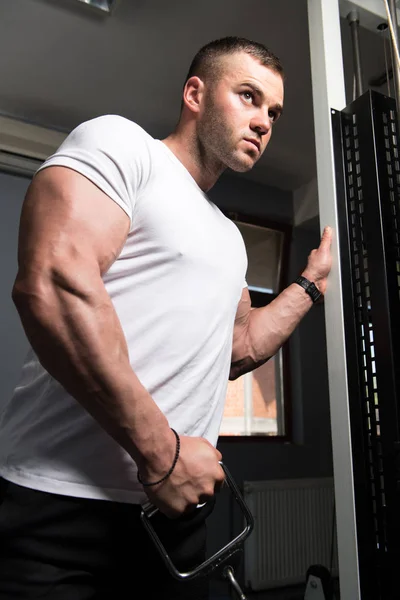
[{"x": 148, "y": 510}]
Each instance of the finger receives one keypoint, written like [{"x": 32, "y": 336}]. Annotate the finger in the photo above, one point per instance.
[
  {"x": 220, "y": 480},
  {"x": 218, "y": 486},
  {"x": 326, "y": 238}
]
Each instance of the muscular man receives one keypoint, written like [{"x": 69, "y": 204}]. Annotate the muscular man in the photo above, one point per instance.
[{"x": 131, "y": 290}]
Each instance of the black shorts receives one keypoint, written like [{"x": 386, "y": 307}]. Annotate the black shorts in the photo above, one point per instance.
[{"x": 62, "y": 548}]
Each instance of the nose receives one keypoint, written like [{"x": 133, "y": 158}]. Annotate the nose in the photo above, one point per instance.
[{"x": 261, "y": 123}]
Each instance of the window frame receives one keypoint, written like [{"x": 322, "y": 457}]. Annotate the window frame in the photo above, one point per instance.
[{"x": 259, "y": 299}]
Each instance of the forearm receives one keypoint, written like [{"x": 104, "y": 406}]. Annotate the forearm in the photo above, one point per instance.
[
  {"x": 77, "y": 337},
  {"x": 268, "y": 328}
]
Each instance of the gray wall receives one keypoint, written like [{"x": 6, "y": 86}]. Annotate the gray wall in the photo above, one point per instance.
[
  {"x": 237, "y": 194},
  {"x": 13, "y": 344}
]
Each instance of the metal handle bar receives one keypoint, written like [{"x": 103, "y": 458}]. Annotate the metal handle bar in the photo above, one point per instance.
[{"x": 214, "y": 561}]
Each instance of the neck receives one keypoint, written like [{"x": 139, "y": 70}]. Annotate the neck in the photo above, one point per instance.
[{"x": 186, "y": 146}]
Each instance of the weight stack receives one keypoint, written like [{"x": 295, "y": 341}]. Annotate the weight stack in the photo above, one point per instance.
[{"x": 367, "y": 164}]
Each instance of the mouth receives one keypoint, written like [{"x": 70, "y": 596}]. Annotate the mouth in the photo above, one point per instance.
[{"x": 254, "y": 142}]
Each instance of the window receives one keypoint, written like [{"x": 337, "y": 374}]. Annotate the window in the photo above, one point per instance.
[{"x": 258, "y": 402}]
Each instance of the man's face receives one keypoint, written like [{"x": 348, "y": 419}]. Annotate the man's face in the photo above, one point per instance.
[{"x": 239, "y": 110}]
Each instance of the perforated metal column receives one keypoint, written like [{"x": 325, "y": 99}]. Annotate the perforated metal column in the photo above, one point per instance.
[{"x": 368, "y": 190}]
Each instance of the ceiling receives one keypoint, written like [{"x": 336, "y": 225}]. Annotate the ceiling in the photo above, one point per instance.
[{"x": 61, "y": 63}]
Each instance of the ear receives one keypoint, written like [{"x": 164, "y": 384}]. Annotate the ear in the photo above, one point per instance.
[{"x": 193, "y": 94}]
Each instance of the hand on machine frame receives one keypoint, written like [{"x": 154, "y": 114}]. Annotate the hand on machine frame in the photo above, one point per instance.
[{"x": 320, "y": 261}]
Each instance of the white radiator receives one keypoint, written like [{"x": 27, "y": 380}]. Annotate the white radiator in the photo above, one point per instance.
[{"x": 293, "y": 530}]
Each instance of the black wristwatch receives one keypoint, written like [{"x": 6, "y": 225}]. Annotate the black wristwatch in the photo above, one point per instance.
[{"x": 309, "y": 287}]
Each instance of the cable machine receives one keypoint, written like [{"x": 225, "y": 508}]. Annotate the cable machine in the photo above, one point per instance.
[{"x": 358, "y": 168}]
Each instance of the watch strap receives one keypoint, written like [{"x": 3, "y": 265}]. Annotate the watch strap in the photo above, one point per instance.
[{"x": 309, "y": 287}]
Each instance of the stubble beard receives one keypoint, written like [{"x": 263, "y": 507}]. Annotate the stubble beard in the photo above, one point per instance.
[{"x": 217, "y": 140}]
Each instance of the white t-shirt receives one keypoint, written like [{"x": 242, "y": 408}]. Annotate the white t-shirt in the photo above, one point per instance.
[{"x": 175, "y": 287}]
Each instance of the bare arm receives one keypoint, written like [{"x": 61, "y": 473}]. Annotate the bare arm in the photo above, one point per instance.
[
  {"x": 260, "y": 332},
  {"x": 70, "y": 234}
]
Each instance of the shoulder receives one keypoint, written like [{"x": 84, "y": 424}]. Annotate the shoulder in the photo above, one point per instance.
[
  {"x": 110, "y": 140},
  {"x": 110, "y": 128}
]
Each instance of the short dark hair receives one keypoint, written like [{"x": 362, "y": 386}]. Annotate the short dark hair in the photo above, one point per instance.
[{"x": 206, "y": 62}]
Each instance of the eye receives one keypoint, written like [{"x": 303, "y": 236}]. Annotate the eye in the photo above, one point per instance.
[
  {"x": 248, "y": 96},
  {"x": 273, "y": 115}
]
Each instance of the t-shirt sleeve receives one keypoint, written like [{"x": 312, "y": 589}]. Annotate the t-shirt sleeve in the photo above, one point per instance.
[{"x": 110, "y": 151}]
